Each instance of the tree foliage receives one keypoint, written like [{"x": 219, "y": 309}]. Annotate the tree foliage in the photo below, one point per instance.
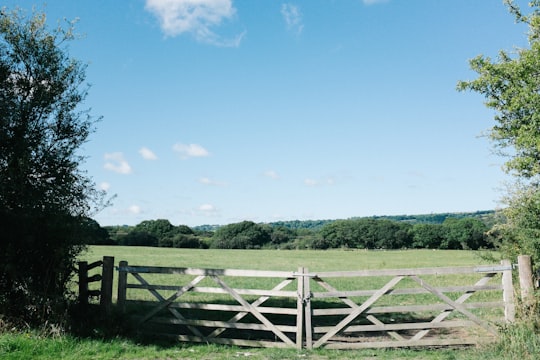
[
  {"x": 511, "y": 87},
  {"x": 243, "y": 235},
  {"x": 45, "y": 199}
]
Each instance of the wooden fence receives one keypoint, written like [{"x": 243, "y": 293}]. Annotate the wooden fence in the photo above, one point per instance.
[
  {"x": 104, "y": 292},
  {"x": 303, "y": 309}
]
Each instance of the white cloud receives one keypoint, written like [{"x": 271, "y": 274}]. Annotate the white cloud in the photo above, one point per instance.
[
  {"x": 271, "y": 174},
  {"x": 208, "y": 181},
  {"x": 134, "y": 209},
  {"x": 147, "y": 154},
  {"x": 311, "y": 182},
  {"x": 190, "y": 150},
  {"x": 293, "y": 17},
  {"x": 195, "y": 17},
  {"x": 116, "y": 162},
  {"x": 206, "y": 210},
  {"x": 105, "y": 186}
]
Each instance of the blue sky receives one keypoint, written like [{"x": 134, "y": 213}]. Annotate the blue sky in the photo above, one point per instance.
[{"x": 218, "y": 111}]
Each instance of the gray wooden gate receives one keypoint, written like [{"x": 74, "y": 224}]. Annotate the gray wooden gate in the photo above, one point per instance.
[{"x": 353, "y": 309}]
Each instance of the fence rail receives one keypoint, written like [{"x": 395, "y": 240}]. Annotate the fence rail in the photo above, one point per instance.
[{"x": 305, "y": 309}]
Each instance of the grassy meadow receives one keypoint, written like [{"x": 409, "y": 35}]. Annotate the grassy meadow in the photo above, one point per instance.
[{"x": 37, "y": 346}]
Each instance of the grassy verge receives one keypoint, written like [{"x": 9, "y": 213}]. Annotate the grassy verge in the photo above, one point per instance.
[{"x": 33, "y": 346}]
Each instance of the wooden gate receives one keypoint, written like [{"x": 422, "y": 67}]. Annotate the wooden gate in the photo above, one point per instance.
[
  {"x": 354, "y": 309},
  {"x": 218, "y": 311},
  {"x": 431, "y": 310}
]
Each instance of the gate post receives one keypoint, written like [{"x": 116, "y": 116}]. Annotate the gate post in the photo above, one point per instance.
[
  {"x": 83, "y": 283},
  {"x": 122, "y": 283},
  {"x": 300, "y": 309},
  {"x": 508, "y": 292},
  {"x": 307, "y": 309},
  {"x": 107, "y": 274},
  {"x": 525, "y": 279}
]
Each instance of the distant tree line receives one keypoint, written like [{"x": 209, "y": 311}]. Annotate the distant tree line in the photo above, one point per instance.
[{"x": 453, "y": 232}]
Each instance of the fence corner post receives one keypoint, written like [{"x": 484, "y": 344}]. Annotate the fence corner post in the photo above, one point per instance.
[
  {"x": 107, "y": 274},
  {"x": 83, "y": 283},
  {"x": 526, "y": 284},
  {"x": 122, "y": 286},
  {"x": 508, "y": 292}
]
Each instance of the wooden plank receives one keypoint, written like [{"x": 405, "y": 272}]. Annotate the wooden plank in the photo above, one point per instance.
[
  {"x": 400, "y": 272},
  {"x": 456, "y": 305},
  {"x": 215, "y": 290},
  {"x": 396, "y": 344},
  {"x": 300, "y": 309},
  {"x": 221, "y": 324},
  {"x": 95, "y": 264},
  {"x": 253, "y": 311},
  {"x": 409, "y": 291},
  {"x": 359, "y": 310},
  {"x": 206, "y": 272},
  {"x": 308, "y": 311},
  {"x": 406, "y": 308},
  {"x": 235, "y": 308},
  {"x": 122, "y": 287},
  {"x": 399, "y": 326},
  {"x": 232, "y": 342},
  {"x": 508, "y": 294}
]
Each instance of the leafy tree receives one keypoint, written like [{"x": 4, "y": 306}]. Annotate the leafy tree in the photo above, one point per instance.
[
  {"x": 365, "y": 233},
  {"x": 511, "y": 86},
  {"x": 157, "y": 228},
  {"x": 243, "y": 235},
  {"x": 139, "y": 238},
  {"x": 95, "y": 234},
  {"x": 427, "y": 236},
  {"x": 45, "y": 199},
  {"x": 463, "y": 233}
]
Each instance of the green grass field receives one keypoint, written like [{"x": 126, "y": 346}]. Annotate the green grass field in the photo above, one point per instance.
[
  {"x": 33, "y": 345},
  {"x": 286, "y": 260}
]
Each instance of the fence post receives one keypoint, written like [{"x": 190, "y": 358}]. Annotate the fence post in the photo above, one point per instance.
[
  {"x": 307, "y": 309},
  {"x": 525, "y": 279},
  {"x": 107, "y": 275},
  {"x": 300, "y": 308},
  {"x": 83, "y": 283},
  {"x": 508, "y": 293},
  {"x": 122, "y": 286}
]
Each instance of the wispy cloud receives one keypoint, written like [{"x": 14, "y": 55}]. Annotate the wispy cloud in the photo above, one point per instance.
[
  {"x": 206, "y": 210},
  {"x": 116, "y": 162},
  {"x": 271, "y": 174},
  {"x": 195, "y": 17},
  {"x": 293, "y": 17},
  {"x": 190, "y": 150},
  {"x": 208, "y": 181},
  {"x": 147, "y": 154},
  {"x": 373, "y": 2},
  {"x": 313, "y": 182}
]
